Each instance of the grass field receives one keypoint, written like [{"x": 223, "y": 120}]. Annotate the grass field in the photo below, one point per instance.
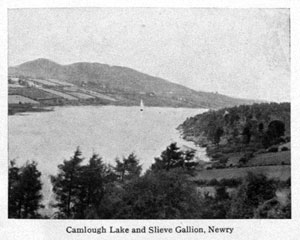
[
  {"x": 17, "y": 99},
  {"x": 98, "y": 95},
  {"x": 263, "y": 159},
  {"x": 81, "y": 95},
  {"x": 44, "y": 82},
  {"x": 276, "y": 158},
  {"x": 59, "y": 82},
  {"x": 60, "y": 94},
  {"x": 33, "y": 93},
  {"x": 282, "y": 172}
]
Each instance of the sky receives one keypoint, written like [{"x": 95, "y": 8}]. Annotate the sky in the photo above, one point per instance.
[{"x": 242, "y": 53}]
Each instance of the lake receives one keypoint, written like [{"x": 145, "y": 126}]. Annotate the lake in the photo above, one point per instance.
[{"x": 110, "y": 131}]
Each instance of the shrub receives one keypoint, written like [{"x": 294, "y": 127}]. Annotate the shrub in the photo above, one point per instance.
[{"x": 273, "y": 149}]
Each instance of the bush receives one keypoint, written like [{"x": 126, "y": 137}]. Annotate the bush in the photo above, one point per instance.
[
  {"x": 273, "y": 149},
  {"x": 213, "y": 182},
  {"x": 159, "y": 195},
  {"x": 231, "y": 182},
  {"x": 255, "y": 190}
]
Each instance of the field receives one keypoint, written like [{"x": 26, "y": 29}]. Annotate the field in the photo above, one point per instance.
[
  {"x": 263, "y": 159},
  {"x": 17, "y": 99},
  {"x": 15, "y": 86},
  {"x": 98, "y": 95},
  {"x": 44, "y": 82},
  {"x": 81, "y": 95},
  {"x": 33, "y": 93},
  {"x": 281, "y": 194},
  {"x": 60, "y": 82},
  {"x": 276, "y": 158},
  {"x": 282, "y": 172},
  {"x": 66, "y": 96}
]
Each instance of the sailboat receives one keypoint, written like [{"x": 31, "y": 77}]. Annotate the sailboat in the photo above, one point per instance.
[{"x": 142, "y": 105}]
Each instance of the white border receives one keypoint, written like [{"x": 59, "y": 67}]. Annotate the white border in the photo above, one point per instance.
[{"x": 244, "y": 229}]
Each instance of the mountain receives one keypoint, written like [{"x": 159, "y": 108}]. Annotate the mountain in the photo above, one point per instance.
[{"x": 125, "y": 83}]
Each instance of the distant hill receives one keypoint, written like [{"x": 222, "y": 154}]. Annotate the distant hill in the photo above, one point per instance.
[{"x": 126, "y": 83}]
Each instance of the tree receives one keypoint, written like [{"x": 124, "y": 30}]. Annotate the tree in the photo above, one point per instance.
[
  {"x": 91, "y": 181},
  {"x": 129, "y": 167},
  {"x": 80, "y": 189},
  {"x": 158, "y": 195},
  {"x": 14, "y": 194},
  {"x": 66, "y": 185},
  {"x": 247, "y": 133},
  {"x": 24, "y": 191},
  {"x": 218, "y": 206},
  {"x": 169, "y": 158},
  {"x": 217, "y": 136},
  {"x": 275, "y": 130},
  {"x": 255, "y": 190},
  {"x": 173, "y": 157}
]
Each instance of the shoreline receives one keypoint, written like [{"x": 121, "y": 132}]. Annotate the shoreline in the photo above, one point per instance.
[
  {"x": 14, "y": 109},
  {"x": 28, "y": 109}
]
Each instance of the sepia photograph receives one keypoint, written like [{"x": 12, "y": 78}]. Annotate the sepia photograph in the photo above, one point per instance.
[{"x": 149, "y": 113}]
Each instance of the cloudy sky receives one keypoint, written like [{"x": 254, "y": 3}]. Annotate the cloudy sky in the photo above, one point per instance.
[{"x": 238, "y": 52}]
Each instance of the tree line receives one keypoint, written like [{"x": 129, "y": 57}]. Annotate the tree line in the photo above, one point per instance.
[
  {"x": 96, "y": 190},
  {"x": 261, "y": 123}
]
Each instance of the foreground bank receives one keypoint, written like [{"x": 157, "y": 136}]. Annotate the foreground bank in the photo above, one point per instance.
[{"x": 166, "y": 190}]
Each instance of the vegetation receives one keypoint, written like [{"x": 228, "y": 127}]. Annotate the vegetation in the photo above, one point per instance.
[
  {"x": 158, "y": 195},
  {"x": 245, "y": 136},
  {"x": 66, "y": 186},
  {"x": 242, "y": 124},
  {"x": 170, "y": 189},
  {"x": 129, "y": 168},
  {"x": 255, "y": 190},
  {"x": 172, "y": 157},
  {"x": 24, "y": 193}
]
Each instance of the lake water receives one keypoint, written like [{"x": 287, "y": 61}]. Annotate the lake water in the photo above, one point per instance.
[{"x": 110, "y": 131}]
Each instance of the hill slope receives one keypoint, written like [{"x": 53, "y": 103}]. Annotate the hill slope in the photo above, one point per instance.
[{"x": 130, "y": 85}]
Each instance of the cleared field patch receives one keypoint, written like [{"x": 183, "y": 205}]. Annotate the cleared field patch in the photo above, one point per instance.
[
  {"x": 70, "y": 89},
  {"x": 271, "y": 159},
  {"x": 98, "y": 95},
  {"x": 33, "y": 93},
  {"x": 81, "y": 95},
  {"x": 63, "y": 95},
  {"x": 44, "y": 82},
  {"x": 18, "y": 99},
  {"x": 15, "y": 86},
  {"x": 280, "y": 172},
  {"x": 59, "y": 82}
]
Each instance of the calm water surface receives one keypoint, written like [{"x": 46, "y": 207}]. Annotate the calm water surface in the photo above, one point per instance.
[{"x": 111, "y": 131}]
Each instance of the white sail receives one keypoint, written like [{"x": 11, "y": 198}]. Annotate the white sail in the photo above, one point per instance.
[{"x": 142, "y": 105}]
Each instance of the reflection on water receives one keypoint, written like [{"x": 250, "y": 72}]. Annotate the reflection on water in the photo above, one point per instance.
[{"x": 50, "y": 137}]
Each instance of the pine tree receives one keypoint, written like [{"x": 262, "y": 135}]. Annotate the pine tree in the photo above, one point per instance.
[
  {"x": 91, "y": 185},
  {"x": 66, "y": 185},
  {"x": 129, "y": 168},
  {"x": 173, "y": 157},
  {"x": 24, "y": 191},
  {"x": 14, "y": 193},
  {"x": 169, "y": 158}
]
